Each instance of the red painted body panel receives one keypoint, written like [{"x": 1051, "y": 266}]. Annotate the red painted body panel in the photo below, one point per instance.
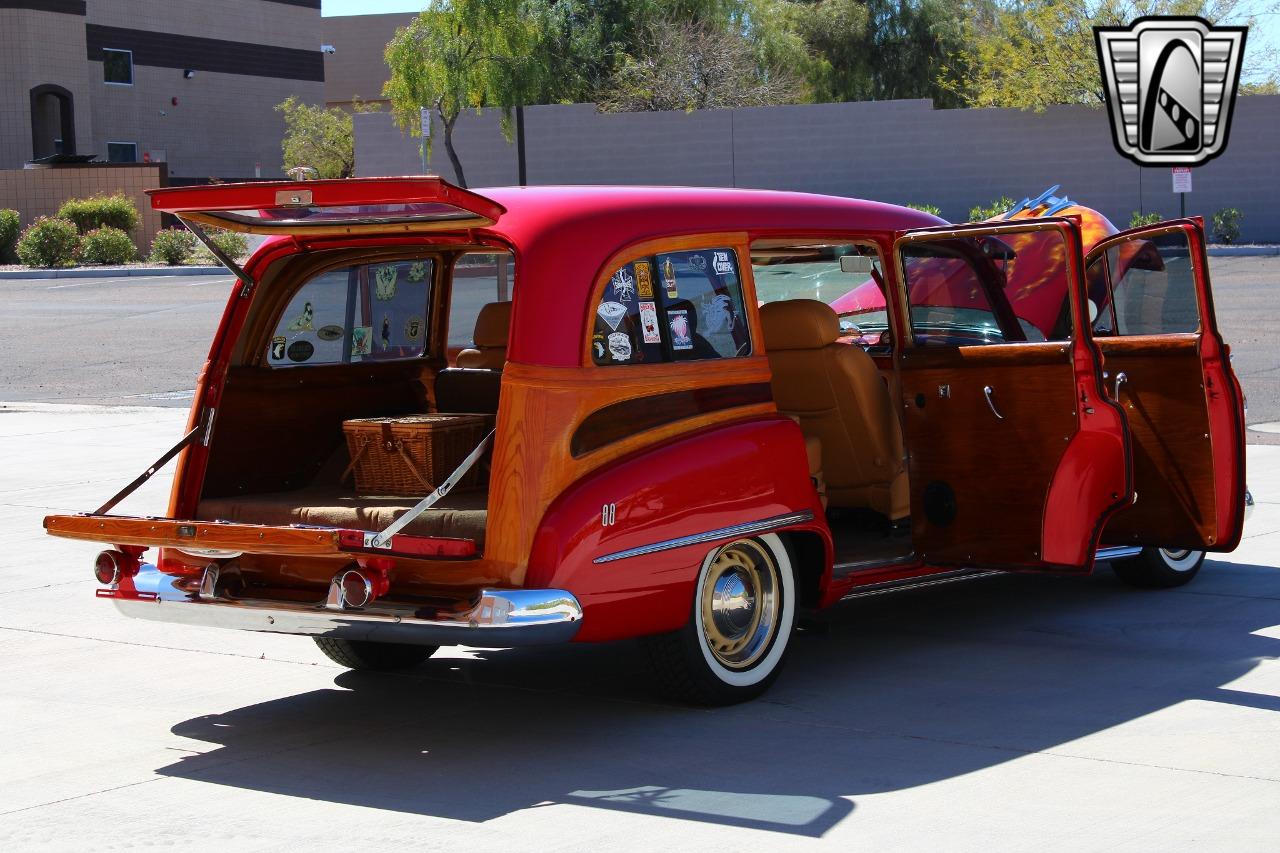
[{"x": 715, "y": 478}]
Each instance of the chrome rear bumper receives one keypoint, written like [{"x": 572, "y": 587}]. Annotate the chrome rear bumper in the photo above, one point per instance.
[{"x": 500, "y": 618}]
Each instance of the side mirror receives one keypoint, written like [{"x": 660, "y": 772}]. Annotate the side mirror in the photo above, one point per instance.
[{"x": 860, "y": 264}]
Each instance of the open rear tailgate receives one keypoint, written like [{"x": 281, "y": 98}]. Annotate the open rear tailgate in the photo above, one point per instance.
[
  {"x": 320, "y": 208},
  {"x": 247, "y": 538}
]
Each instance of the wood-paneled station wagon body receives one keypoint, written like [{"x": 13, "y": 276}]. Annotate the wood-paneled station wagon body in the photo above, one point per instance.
[{"x": 435, "y": 417}]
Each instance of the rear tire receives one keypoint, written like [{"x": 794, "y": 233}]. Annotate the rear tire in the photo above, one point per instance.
[
  {"x": 739, "y": 631},
  {"x": 371, "y": 656},
  {"x": 1159, "y": 568}
]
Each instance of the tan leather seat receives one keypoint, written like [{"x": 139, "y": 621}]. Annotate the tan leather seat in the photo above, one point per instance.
[
  {"x": 836, "y": 393},
  {"x": 493, "y": 324}
]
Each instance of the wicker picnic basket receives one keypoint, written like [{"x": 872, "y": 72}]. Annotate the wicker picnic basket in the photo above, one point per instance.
[{"x": 411, "y": 455}]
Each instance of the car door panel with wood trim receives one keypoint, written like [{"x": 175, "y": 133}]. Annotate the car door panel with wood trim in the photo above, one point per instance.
[
  {"x": 1016, "y": 458},
  {"x": 1168, "y": 368}
]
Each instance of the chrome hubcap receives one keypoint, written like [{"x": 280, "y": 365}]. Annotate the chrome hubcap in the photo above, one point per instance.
[{"x": 740, "y": 603}]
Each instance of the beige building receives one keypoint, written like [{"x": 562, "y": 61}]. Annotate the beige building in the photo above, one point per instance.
[
  {"x": 193, "y": 85},
  {"x": 355, "y": 67}
]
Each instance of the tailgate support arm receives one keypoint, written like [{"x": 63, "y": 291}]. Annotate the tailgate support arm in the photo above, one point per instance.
[
  {"x": 223, "y": 258},
  {"x": 383, "y": 539},
  {"x": 206, "y": 421}
]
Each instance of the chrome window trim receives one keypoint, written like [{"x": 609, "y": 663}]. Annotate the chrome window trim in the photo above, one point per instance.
[{"x": 762, "y": 526}]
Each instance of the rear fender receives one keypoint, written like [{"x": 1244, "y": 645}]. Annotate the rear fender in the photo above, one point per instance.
[{"x": 713, "y": 479}]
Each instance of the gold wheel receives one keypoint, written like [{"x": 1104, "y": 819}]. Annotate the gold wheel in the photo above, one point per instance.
[{"x": 740, "y": 603}]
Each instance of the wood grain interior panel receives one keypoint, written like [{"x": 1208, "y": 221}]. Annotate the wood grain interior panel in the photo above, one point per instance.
[
  {"x": 1167, "y": 412},
  {"x": 998, "y": 470},
  {"x": 275, "y": 429}
]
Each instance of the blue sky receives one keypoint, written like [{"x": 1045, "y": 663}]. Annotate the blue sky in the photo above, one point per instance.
[
  {"x": 1267, "y": 28},
  {"x": 369, "y": 7}
]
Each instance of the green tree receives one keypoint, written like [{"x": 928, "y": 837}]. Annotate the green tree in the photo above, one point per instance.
[
  {"x": 1032, "y": 53},
  {"x": 694, "y": 65},
  {"x": 464, "y": 54},
  {"x": 320, "y": 138},
  {"x": 861, "y": 50}
]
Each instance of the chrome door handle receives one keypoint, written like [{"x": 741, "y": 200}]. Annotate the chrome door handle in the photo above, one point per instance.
[
  {"x": 1121, "y": 378},
  {"x": 986, "y": 392}
]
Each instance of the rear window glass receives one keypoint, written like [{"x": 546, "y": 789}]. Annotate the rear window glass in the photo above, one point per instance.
[
  {"x": 362, "y": 313},
  {"x": 673, "y": 306}
]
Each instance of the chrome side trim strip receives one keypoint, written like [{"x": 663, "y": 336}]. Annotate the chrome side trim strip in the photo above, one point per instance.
[
  {"x": 1118, "y": 552},
  {"x": 919, "y": 583},
  {"x": 762, "y": 526}
]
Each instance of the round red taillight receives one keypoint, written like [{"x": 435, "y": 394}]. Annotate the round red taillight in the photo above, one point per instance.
[
  {"x": 106, "y": 568},
  {"x": 357, "y": 590}
]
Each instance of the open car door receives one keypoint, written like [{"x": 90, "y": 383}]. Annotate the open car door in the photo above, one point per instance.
[
  {"x": 1167, "y": 366},
  {"x": 1016, "y": 456}
]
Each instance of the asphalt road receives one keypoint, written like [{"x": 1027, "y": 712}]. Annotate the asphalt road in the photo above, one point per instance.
[
  {"x": 142, "y": 341},
  {"x": 1013, "y": 713}
]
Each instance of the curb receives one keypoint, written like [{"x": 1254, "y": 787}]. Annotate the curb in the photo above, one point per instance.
[
  {"x": 1243, "y": 251},
  {"x": 89, "y": 272}
]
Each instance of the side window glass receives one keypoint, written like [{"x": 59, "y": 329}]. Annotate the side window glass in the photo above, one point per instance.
[
  {"x": 948, "y": 301},
  {"x": 478, "y": 279},
  {"x": 675, "y": 306},
  {"x": 369, "y": 312},
  {"x": 811, "y": 270},
  {"x": 1153, "y": 286},
  {"x": 702, "y": 298},
  {"x": 1006, "y": 288}
]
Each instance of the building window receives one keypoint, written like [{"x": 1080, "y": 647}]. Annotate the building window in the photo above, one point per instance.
[
  {"x": 117, "y": 66},
  {"x": 122, "y": 152}
]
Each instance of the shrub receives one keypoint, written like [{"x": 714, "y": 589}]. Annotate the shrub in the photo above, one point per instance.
[
  {"x": 173, "y": 246},
  {"x": 232, "y": 243},
  {"x": 927, "y": 208},
  {"x": 48, "y": 242},
  {"x": 1001, "y": 205},
  {"x": 1226, "y": 224},
  {"x": 9, "y": 229},
  {"x": 117, "y": 211},
  {"x": 1138, "y": 219},
  {"x": 106, "y": 245}
]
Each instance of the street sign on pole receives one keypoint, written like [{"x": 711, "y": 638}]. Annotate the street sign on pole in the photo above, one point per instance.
[
  {"x": 1182, "y": 179},
  {"x": 1182, "y": 186}
]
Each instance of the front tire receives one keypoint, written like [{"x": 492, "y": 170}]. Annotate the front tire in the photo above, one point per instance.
[
  {"x": 371, "y": 656},
  {"x": 740, "y": 628},
  {"x": 1159, "y": 568}
]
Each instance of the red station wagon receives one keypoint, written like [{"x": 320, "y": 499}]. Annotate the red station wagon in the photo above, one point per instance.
[{"x": 438, "y": 417}]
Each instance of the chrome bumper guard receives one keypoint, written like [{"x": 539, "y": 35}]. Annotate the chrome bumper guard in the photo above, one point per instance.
[{"x": 500, "y": 618}]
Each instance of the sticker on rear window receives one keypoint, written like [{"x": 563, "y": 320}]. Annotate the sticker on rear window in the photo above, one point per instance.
[
  {"x": 681, "y": 332},
  {"x": 362, "y": 340},
  {"x": 302, "y": 323},
  {"x": 649, "y": 323},
  {"x": 644, "y": 280},
  {"x": 612, "y": 313}
]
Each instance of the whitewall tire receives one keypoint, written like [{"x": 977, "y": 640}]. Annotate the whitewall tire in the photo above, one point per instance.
[
  {"x": 740, "y": 626},
  {"x": 1159, "y": 568}
]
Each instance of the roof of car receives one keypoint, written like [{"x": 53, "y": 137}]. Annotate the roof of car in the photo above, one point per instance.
[{"x": 563, "y": 236}]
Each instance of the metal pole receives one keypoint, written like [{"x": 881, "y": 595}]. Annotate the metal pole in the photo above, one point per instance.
[
  {"x": 1182, "y": 205},
  {"x": 520, "y": 145}
]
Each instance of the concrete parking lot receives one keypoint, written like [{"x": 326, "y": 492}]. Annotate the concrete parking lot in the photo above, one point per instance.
[{"x": 1018, "y": 712}]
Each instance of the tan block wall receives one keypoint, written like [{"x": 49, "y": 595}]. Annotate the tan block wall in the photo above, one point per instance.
[
  {"x": 38, "y": 48},
  {"x": 40, "y": 192},
  {"x": 223, "y": 125}
]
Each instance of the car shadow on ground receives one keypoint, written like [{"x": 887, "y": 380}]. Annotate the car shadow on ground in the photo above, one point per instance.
[{"x": 902, "y": 691}]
